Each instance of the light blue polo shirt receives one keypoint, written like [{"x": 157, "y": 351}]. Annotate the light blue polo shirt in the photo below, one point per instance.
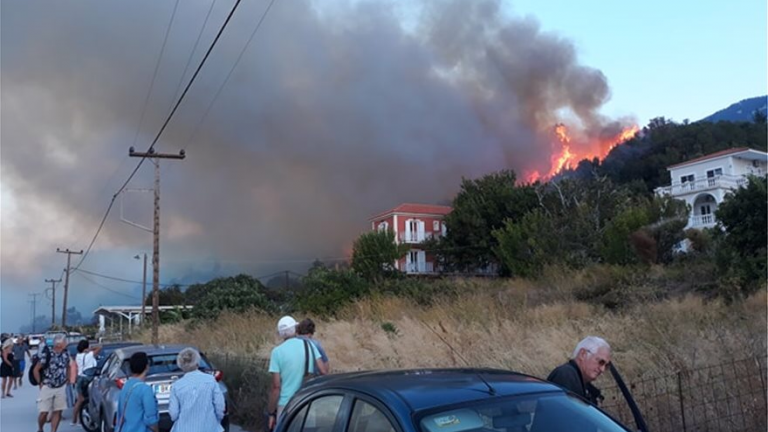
[{"x": 288, "y": 360}]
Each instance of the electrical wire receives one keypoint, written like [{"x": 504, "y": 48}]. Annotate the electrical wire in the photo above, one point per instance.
[
  {"x": 229, "y": 74},
  {"x": 160, "y": 132},
  {"x": 106, "y": 287},
  {"x": 194, "y": 48}
]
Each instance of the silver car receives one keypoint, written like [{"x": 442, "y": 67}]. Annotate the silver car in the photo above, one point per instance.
[{"x": 99, "y": 412}]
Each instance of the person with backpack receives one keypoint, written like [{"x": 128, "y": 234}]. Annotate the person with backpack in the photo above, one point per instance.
[
  {"x": 290, "y": 364},
  {"x": 52, "y": 374},
  {"x": 136, "y": 405}
]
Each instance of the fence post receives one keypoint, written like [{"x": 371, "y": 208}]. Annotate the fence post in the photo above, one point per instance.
[
  {"x": 680, "y": 396},
  {"x": 762, "y": 379}
]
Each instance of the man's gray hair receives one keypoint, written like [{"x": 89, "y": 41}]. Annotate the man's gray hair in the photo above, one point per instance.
[
  {"x": 59, "y": 338},
  {"x": 591, "y": 344},
  {"x": 188, "y": 359}
]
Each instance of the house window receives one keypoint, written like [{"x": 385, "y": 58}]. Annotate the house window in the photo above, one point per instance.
[
  {"x": 383, "y": 226},
  {"x": 435, "y": 225},
  {"x": 687, "y": 182},
  {"x": 715, "y": 172}
]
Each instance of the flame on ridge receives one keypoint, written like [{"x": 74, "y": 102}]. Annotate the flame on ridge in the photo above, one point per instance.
[{"x": 566, "y": 156}]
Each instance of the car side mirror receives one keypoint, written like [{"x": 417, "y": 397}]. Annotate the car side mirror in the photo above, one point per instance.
[{"x": 92, "y": 372}]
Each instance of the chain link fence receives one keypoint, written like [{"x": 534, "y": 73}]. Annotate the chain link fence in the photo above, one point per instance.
[{"x": 728, "y": 397}]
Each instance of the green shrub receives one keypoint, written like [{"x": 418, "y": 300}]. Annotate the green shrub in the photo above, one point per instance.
[
  {"x": 238, "y": 294},
  {"x": 326, "y": 290}
]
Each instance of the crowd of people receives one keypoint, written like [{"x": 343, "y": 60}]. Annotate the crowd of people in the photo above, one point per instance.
[
  {"x": 196, "y": 400},
  {"x": 14, "y": 355}
]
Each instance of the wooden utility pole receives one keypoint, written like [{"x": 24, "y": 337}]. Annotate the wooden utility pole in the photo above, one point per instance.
[
  {"x": 143, "y": 291},
  {"x": 34, "y": 310},
  {"x": 66, "y": 284},
  {"x": 53, "y": 283},
  {"x": 155, "y": 158}
]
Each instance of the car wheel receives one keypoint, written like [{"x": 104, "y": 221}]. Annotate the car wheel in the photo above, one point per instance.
[
  {"x": 104, "y": 424},
  {"x": 88, "y": 422}
]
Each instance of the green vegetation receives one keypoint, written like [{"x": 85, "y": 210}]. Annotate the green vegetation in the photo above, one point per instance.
[{"x": 374, "y": 255}]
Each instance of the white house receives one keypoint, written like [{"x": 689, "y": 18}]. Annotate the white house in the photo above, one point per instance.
[{"x": 703, "y": 182}]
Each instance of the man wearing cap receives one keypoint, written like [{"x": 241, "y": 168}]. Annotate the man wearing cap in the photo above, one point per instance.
[{"x": 290, "y": 362}]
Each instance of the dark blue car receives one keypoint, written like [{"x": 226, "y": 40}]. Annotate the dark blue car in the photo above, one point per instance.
[{"x": 441, "y": 400}]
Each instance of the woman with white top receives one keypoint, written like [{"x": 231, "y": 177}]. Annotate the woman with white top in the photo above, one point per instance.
[{"x": 84, "y": 360}]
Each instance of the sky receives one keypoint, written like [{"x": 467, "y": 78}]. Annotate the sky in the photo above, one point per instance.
[{"x": 334, "y": 112}]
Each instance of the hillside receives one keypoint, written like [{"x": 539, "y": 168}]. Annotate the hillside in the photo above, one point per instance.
[{"x": 741, "y": 111}]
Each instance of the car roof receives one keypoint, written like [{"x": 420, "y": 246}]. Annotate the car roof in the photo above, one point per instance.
[
  {"x": 153, "y": 349},
  {"x": 422, "y": 389}
]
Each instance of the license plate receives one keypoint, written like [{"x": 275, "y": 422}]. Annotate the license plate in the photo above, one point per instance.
[{"x": 162, "y": 388}]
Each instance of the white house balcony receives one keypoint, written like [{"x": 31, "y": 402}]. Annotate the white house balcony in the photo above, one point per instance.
[
  {"x": 416, "y": 237},
  {"x": 702, "y": 221},
  {"x": 702, "y": 184}
]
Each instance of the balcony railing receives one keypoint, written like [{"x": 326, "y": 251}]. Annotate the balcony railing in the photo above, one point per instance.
[
  {"x": 721, "y": 181},
  {"x": 702, "y": 221},
  {"x": 415, "y": 237},
  {"x": 420, "y": 268}
]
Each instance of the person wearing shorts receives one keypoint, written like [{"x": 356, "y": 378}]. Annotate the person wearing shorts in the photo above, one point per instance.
[{"x": 52, "y": 372}]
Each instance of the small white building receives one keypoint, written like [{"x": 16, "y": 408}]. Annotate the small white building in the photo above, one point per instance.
[{"x": 703, "y": 182}]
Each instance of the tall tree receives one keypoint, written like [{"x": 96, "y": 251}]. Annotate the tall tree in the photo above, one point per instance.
[
  {"x": 743, "y": 216},
  {"x": 482, "y": 206},
  {"x": 374, "y": 254}
]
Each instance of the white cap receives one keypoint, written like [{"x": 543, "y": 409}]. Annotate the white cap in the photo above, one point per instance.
[{"x": 286, "y": 326}]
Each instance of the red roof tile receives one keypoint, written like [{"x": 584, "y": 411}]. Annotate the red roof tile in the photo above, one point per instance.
[
  {"x": 711, "y": 156},
  {"x": 416, "y": 209}
]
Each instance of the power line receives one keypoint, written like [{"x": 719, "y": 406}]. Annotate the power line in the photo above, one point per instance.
[
  {"x": 114, "y": 278},
  {"x": 159, "y": 133},
  {"x": 194, "y": 48},
  {"x": 229, "y": 74},
  {"x": 105, "y": 287},
  {"x": 154, "y": 75}
]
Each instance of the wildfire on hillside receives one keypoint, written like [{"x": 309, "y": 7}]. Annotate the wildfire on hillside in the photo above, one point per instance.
[{"x": 566, "y": 155}]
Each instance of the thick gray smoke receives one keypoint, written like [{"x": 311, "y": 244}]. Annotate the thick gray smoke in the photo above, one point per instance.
[{"x": 334, "y": 114}]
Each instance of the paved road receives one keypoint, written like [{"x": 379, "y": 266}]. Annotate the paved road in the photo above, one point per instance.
[{"x": 19, "y": 413}]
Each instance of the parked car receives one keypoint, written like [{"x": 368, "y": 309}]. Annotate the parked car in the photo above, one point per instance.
[
  {"x": 99, "y": 413},
  {"x": 49, "y": 335},
  {"x": 109, "y": 348},
  {"x": 34, "y": 340},
  {"x": 441, "y": 400}
]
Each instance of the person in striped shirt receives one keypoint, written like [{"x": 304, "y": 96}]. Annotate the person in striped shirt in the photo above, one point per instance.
[{"x": 197, "y": 403}]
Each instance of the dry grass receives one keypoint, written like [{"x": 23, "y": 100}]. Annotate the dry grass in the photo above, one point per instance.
[{"x": 508, "y": 325}]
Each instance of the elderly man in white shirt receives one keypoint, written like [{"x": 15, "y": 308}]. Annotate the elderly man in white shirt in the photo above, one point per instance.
[{"x": 197, "y": 403}]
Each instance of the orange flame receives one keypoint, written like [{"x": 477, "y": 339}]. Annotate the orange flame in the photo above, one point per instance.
[{"x": 567, "y": 157}]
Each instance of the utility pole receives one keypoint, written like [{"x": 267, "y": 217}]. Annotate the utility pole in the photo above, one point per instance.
[
  {"x": 66, "y": 284},
  {"x": 52, "y": 289},
  {"x": 155, "y": 157},
  {"x": 143, "y": 290},
  {"x": 34, "y": 310}
]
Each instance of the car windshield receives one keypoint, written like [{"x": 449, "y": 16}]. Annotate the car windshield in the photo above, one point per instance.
[
  {"x": 165, "y": 363},
  {"x": 532, "y": 413}
]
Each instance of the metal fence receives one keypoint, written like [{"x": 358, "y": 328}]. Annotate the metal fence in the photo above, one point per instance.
[{"x": 729, "y": 397}]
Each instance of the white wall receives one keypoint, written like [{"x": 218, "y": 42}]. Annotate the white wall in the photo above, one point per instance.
[
  {"x": 745, "y": 166},
  {"x": 700, "y": 169}
]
